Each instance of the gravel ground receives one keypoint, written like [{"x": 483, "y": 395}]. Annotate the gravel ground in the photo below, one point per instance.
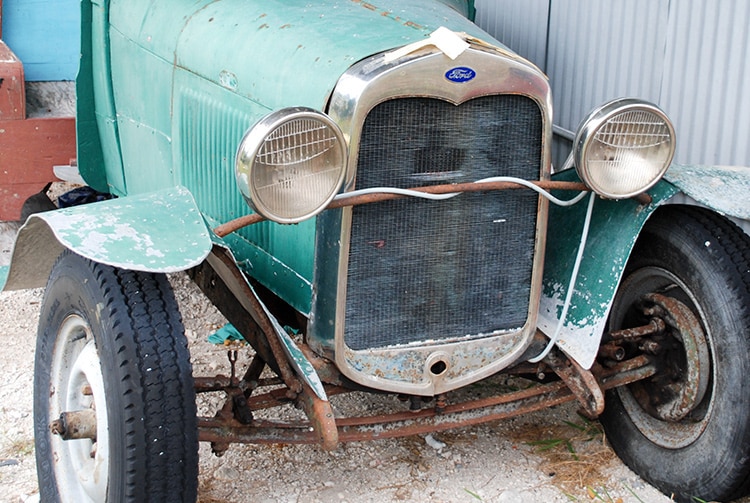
[{"x": 497, "y": 462}]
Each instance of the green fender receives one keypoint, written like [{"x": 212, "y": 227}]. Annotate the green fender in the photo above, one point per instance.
[
  {"x": 614, "y": 228},
  {"x": 160, "y": 231},
  {"x": 722, "y": 188}
]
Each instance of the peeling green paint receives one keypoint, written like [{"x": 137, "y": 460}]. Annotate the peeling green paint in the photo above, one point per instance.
[
  {"x": 161, "y": 231},
  {"x": 615, "y": 226}
]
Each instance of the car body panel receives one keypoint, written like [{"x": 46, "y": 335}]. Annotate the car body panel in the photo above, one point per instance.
[
  {"x": 158, "y": 39},
  {"x": 615, "y": 226},
  {"x": 614, "y": 229},
  {"x": 723, "y": 188},
  {"x": 183, "y": 101},
  {"x": 99, "y": 158},
  {"x": 161, "y": 231}
]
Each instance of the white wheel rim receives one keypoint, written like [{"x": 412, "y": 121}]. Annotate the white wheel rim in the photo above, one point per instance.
[{"x": 81, "y": 466}]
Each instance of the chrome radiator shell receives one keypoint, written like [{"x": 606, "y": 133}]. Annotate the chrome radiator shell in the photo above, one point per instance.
[{"x": 410, "y": 332}]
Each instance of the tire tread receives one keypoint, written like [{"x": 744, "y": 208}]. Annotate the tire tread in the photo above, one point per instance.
[
  {"x": 152, "y": 374},
  {"x": 722, "y": 251}
]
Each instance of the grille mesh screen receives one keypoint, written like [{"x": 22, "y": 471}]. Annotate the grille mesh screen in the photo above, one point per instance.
[{"x": 439, "y": 270}]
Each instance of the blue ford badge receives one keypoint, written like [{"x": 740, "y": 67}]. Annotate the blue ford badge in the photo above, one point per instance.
[{"x": 460, "y": 74}]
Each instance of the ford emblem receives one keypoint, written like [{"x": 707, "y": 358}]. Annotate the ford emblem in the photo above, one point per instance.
[{"x": 460, "y": 74}]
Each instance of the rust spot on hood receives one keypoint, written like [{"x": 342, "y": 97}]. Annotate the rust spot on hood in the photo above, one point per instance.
[{"x": 388, "y": 14}]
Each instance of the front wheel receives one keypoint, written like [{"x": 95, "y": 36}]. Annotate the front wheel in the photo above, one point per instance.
[
  {"x": 114, "y": 402},
  {"x": 687, "y": 429}
]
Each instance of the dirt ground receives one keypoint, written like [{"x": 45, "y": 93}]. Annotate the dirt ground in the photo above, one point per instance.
[{"x": 551, "y": 456}]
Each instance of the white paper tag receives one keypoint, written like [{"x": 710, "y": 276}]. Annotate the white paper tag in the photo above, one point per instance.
[{"x": 449, "y": 42}]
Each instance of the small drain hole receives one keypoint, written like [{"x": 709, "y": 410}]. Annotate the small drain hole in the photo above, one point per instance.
[{"x": 438, "y": 367}]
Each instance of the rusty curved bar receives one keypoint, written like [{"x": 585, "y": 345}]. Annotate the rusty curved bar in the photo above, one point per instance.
[{"x": 238, "y": 223}]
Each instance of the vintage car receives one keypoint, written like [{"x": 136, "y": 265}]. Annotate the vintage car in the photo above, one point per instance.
[{"x": 364, "y": 189}]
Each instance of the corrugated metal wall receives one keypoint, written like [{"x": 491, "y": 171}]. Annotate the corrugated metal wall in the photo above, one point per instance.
[
  {"x": 706, "y": 78},
  {"x": 689, "y": 56},
  {"x": 522, "y": 25}
]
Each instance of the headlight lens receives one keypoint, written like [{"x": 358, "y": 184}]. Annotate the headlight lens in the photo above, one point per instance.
[
  {"x": 291, "y": 164},
  {"x": 623, "y": 148}
]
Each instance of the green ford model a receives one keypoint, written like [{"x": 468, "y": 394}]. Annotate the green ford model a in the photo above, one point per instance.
[{"x": 365, "y": 191}]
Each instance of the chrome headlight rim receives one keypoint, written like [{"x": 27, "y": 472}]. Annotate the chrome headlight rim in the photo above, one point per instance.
[
  {"x": 596, "y": 120},
  {"x": 253, "y": 141}
]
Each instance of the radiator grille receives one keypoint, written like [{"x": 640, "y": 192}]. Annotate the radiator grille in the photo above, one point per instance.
[{"x": 439, "y": 270}]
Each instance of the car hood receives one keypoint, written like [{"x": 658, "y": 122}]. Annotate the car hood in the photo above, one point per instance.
[{"x": 285, "y": 52}]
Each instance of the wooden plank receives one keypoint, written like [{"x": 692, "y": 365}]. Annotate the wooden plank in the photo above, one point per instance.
[
  {"x": 12, "y": 93},
  {"x": 28, "y": 151}
]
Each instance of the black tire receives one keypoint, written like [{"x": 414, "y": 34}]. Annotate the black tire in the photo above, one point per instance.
[
  {"x": 113, "y": 341},
  {"x": 702, "y": 260}
]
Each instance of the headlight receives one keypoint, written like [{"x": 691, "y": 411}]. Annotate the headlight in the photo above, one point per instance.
[
  {"x": 623, "y": 148},
  {"x": 291, "y": 164}
]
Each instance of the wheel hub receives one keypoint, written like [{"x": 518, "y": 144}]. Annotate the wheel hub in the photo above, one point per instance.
[
  {"x": 673, "y": 407},
  {"x": 685, "y": 361},
  {"x": 79, "y": 431}
]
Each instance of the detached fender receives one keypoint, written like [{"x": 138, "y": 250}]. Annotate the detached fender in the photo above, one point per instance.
[
  {"x": 159, "y": 231},
  {"x": 614, "y": 228}
]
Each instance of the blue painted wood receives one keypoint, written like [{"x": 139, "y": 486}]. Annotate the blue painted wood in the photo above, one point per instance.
[{"x": 44, "y": 34}]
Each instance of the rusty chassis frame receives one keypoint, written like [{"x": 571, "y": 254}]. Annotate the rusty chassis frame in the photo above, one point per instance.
[
  {"x": 225, "y": 285},
  {"x": 555, "y": 380},
  {"x": 228, "y": 427}
]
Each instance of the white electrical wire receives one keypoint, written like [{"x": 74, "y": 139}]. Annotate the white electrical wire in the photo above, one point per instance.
[
  {"x": 536, "y": 188},
  {"x": 571, "y": 286},
  {"x": 394, "y": 190},
  {"x": 438, "y": 197}
]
